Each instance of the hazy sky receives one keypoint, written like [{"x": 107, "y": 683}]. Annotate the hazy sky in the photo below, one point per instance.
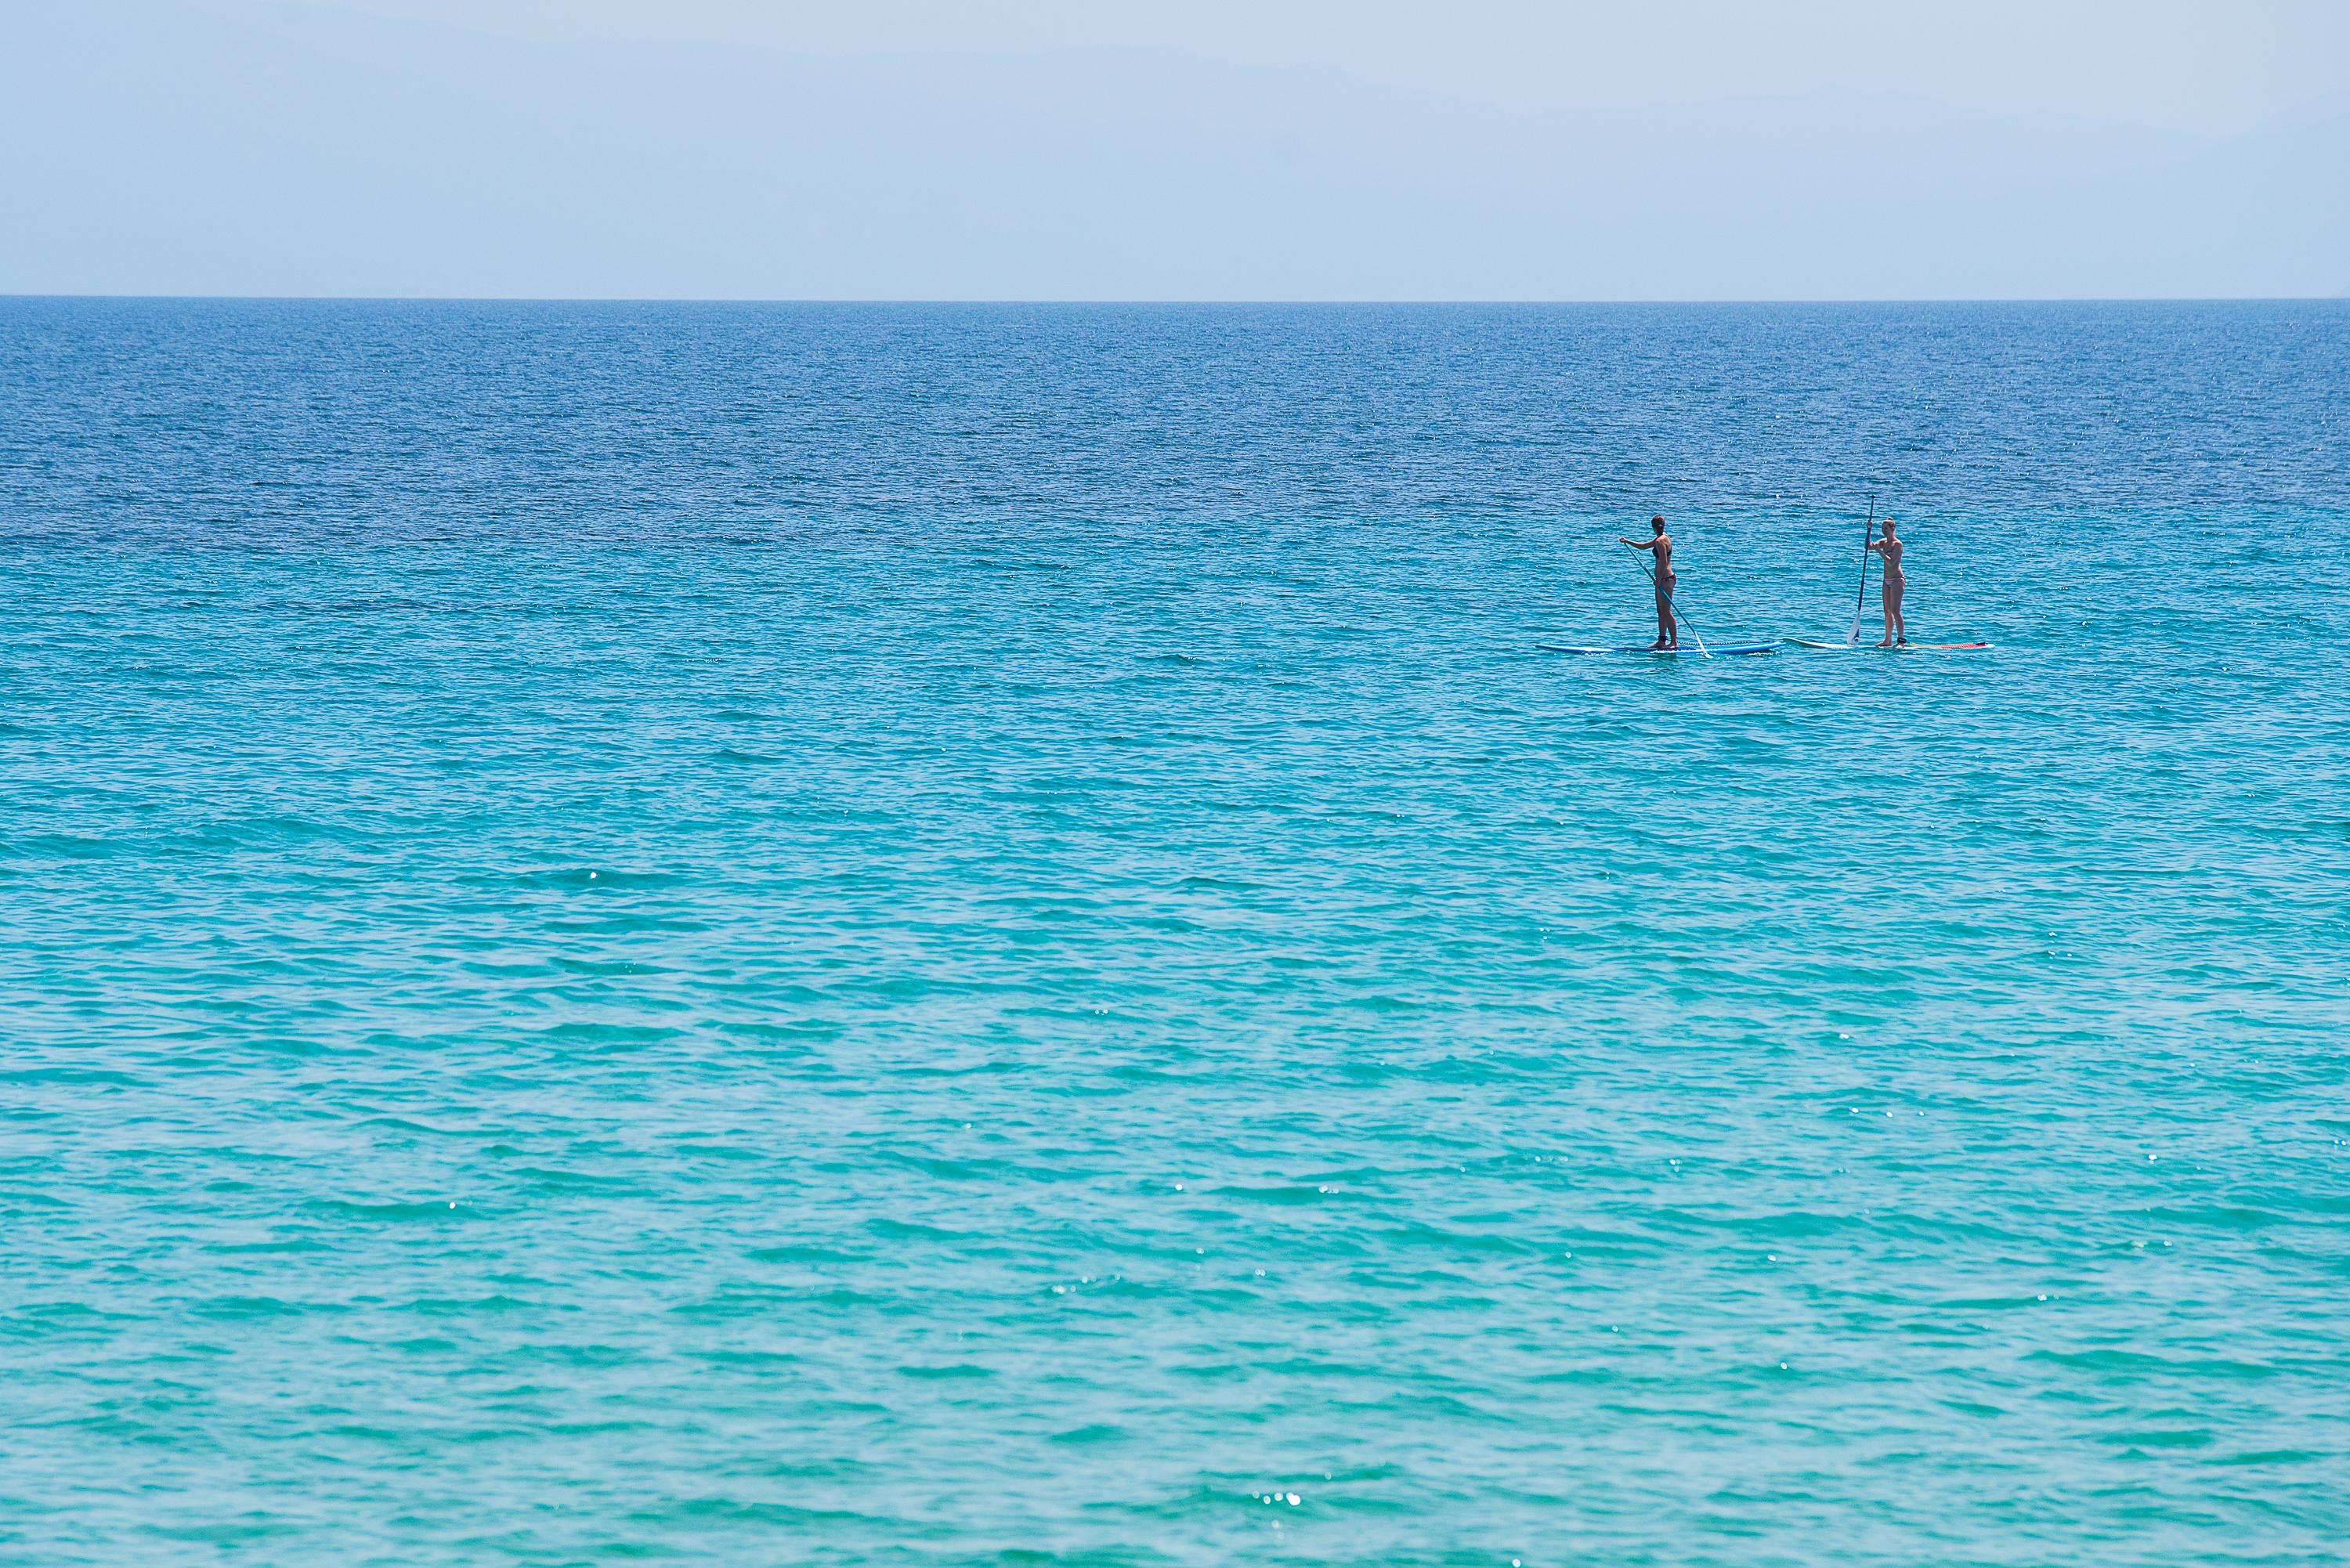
[
  {"x": 2203, "y": 64},
  {"x": 1208, "y": 148}
]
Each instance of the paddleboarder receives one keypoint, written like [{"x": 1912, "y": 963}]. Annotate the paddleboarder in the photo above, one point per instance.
[
  {"x": 1888, "y": 546},
  {"x": 1660, "y": 544}
]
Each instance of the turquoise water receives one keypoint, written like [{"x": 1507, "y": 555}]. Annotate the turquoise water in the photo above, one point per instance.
[{"x": 975, "y": 936}]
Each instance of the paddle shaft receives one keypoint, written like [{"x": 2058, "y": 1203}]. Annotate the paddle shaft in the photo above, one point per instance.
[
  {"x": 1675, "y": 604},
  {"x": 1860, "y": 596}
]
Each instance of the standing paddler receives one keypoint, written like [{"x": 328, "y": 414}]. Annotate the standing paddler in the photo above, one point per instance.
[
  {"x": 1660, "y": 544},
  {"x": 1897, "y": 631}
]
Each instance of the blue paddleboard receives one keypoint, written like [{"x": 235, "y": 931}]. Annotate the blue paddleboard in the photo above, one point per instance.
[{"x": 1690, "y": 649}]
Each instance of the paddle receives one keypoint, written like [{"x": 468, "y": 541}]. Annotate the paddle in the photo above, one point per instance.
[
  {"x": 1675, "y": 603},
  {"x": 1861, "y": 597}
]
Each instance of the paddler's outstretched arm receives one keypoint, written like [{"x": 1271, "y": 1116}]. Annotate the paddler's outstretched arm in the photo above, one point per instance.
[{"x": 1636, "y": 543}]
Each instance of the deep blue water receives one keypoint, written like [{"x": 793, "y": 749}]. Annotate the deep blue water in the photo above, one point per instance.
[{"x": 940, "y": 936}]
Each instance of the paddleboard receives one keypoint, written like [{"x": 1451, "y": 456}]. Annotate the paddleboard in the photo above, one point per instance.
[
  {"x": 1690, "y": 649},
  {"x": 1905, "y": 648}
]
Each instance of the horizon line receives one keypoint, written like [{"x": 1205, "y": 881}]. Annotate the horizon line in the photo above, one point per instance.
[{"x": 262, "y": 298}]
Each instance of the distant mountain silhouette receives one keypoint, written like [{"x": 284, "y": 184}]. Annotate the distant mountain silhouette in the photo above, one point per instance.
[{"x": 161, "y": 148}]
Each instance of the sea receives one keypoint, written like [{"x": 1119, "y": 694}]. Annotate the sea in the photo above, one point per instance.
[{"x": 954, "y": 935}]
